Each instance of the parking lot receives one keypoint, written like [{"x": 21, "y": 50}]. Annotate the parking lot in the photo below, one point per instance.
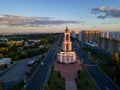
[{"x": 17, "y": 72}]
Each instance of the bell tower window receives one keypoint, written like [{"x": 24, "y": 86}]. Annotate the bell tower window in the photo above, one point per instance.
[
  {"x": 67, "y": 47},
  {"x": 67, "y": 37}
]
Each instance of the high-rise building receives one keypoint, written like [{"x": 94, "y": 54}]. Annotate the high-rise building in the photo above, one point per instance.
[
  {"x": 110, "y": 41},
  {"x": 89, "y": 35},
  {"x": 104, "y": 34},
  {"x": 73, "y": 34},
  {"x": 67, "y": 55},
  {"x": 112, "y": 35},
  {"x": 80, "y": 36}
]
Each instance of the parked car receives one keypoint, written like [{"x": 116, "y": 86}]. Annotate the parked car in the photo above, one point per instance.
[{"x": 30, "y": 63}]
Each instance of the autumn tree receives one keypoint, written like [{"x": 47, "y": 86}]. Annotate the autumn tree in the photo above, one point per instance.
[
  {"x": 1, "y": 55},
  {"x": 47, "y": 87},
  {"x": 116, "y": 59},
  {"x": 116, "y": 62},
  {"x": 11, "y": 43},
  {"x": 116, "y": 56},
  {"x": 3, "y": 50},
  {"x": 19, "y": 44}
]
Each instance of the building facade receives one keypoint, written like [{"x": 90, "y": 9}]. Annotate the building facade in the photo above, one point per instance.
[
  {"x": 73, "y": 34},
  {"x": 110, "y": 41},
  {"x": 5, "y": 61},
  {"x": 67, "y": 55},
  {"x": 89, "y": 35},
  {"x": 80, "y": 36}
]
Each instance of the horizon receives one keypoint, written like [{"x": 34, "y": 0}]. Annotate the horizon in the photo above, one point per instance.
[{"x": 51, "y": 16}]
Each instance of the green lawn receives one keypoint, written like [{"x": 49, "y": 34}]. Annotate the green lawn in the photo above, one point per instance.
[
  {"x": 84, "y": 82},
  {"x": 56, "y": 82}
]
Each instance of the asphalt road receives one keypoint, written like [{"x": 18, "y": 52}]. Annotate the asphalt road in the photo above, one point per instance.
[
  {"x": 102, "y": 81},
  {"x": 39, "y": 79}
]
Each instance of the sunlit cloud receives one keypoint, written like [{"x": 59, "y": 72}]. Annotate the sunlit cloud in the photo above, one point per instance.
[
  {"x": 107, "y": 12},
  {"x": 24, "y": 21}
]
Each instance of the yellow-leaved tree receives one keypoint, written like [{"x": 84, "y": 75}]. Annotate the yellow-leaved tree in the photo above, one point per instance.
[
  {"x": 1, "y": 55},
  {"x": 116, "y": 59},
  {"x": 11, "y": 43}
]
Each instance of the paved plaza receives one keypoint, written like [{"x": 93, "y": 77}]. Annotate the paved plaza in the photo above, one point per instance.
[{"x": 69, "y": 73}]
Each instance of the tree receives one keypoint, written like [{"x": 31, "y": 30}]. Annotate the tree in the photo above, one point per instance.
[
  {"x": 12, "y": 54},
  {"x": 11, "y": 43},
  {"x": 3, "y": 50},
  {"x": 116, "y": 63},
  {"x": 19, "y": 44},
  {"x": 3, "y": 44},
  {"x": 43, "y": 41},
  {"x": 47, "y": 87},
  {"x": 16, "y": 57},
  {"x": 1, "y": 55},
  {"x": 116, "y": 59},
  {"x": 116, "y": 56},
  {"x": 23, "y": 55}
]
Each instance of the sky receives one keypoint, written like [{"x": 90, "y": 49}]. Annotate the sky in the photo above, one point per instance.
[{"x": 54, "y": 15}]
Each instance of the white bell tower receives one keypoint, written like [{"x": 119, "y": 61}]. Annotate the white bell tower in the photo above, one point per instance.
[
  {"x": 67, "y": 44},
  {"x": 67, "y": 55}
]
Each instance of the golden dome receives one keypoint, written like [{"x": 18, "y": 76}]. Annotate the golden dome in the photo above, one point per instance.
[{"x": 66, "y": 30}]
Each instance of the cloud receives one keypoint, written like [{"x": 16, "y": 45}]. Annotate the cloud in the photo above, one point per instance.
[
  {"x": 108, "y": 12},
  {"x": 101, "y": 17},
  {"x": 14, "y": 20}
]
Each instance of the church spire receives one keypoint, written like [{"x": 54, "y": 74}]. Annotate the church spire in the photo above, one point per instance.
[{"x": 66, "y": 30}]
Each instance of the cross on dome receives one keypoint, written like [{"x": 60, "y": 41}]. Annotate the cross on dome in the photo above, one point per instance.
[{"x": 66, "y": 30}]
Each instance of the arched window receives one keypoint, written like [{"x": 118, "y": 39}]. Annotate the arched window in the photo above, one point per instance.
[
  {"x": 67, "y": 37},
  {"x": 67, "y": 47}
]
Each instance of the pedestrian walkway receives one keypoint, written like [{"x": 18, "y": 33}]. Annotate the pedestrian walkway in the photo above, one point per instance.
[
  {"x": 70, "y": 85},
  {"x": 69, "y": 73}
]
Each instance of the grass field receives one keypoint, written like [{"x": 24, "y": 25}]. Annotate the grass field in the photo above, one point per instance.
[
  {"x": 56, "y": 82},
  {"x": 84, "y": 82}
]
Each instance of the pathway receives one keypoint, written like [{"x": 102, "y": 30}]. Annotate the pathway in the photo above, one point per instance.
[{"x": 69, "y": 73}]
